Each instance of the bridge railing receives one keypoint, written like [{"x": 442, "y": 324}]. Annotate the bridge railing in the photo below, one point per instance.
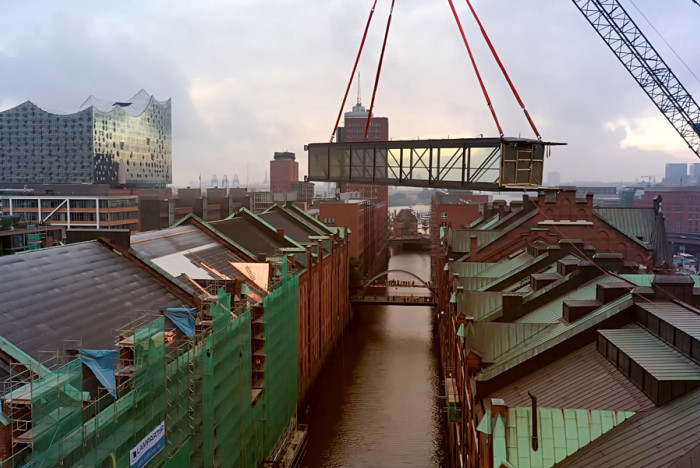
[{"x": 397, "y": 299}]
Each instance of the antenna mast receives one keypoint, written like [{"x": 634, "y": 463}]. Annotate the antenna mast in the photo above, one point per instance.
[{"x": 359, "y": 90}]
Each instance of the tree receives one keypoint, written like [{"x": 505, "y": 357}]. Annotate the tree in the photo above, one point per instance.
[{"x": 355, "y": 276}]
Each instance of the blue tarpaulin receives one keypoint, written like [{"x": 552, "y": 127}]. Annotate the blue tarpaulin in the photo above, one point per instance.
[
  {"x": 183, "y": 318},
  {"x": 103, "y": 363}
]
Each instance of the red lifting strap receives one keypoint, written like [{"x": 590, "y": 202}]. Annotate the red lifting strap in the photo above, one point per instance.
[
  {"x": 476, "y": 69},
  {"x": 379, "y": 69},
  {"x": 503, "y": 69},
  {"x": 354, "y": 68}
]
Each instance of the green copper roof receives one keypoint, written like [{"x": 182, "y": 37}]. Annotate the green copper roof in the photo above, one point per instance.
[
  {"x": 460, "y": 331},
  {"x": 561, "y": 432},
  {"x": 23, "y": 358},
  {"x": 490, "y": 222},
  {"x": 551, "y": 312},
  {"x": 500, "y": 447},
  {"x": 645, "y": 280},
  {"x": 635, "y": 223},
  {"x": 453, "y": 298}
]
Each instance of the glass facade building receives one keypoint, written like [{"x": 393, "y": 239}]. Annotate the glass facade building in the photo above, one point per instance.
[{"x": 121, "y": 144}]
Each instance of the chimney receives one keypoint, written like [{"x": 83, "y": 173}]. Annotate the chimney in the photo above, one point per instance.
[
  {"x": 500, "y": 207},
  {"x": 574, "y": 310},
  {"x": 673, "y": 287},
  {"x": 473, "y": 242},
  {"x": 608, "y": 292},
  {"x": 512, "y": 307},
  {"x": 540, "y": 280},
  {"x": 567, "y": 265},
  {"x": 610, "y": 261},
  {"x": 309, "y": 256},
  {"x": 280, "y": 232}
]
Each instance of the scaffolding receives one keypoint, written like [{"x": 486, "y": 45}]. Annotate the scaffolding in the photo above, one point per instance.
[{"x": 221, "y": 404}]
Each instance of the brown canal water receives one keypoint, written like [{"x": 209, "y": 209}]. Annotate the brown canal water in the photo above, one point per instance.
[{"x": 377, "y": 401}]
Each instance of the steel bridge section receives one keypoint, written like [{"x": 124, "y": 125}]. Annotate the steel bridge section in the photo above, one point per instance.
[
  {"x": 467, "y": 163},
  {"x": 614, "y": 25}
]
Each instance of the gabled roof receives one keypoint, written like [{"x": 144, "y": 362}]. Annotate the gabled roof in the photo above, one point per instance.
[
  {"x": 490, "y": 340},
  {"x": 479, "y": 304},
  {"x": 653, "y": 438},
  {"x": 561, "y": 432},
  {"x": 551, "y": 312},
  {"x": 553, "y": 336},
  {"x": 635, "y": 223},
  {"x": 76, "y": 292},
  {"x": 464, "y": 269},
  {"x": 645, "y": 280},
  {"x": 460, "y": 239},
  {"x": 253, "y": 233},
  {"x": 582, "y": 379},
  {"x": 186, "y": 250},
  {"x": 193, "y": 219},
  {"x": 304, "y": 217},
  {"x": 291, "y": 228},
  {"x": 503, "y": 268},
  {"x": 296, "y": 227}
]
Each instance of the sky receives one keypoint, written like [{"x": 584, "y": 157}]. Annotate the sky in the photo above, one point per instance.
[{"x": 251, "y": 77}]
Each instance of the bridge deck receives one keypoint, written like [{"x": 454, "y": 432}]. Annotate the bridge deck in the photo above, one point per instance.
[
  {"x": 466, "y": 163},
  {"x": 395, "y": 300}
]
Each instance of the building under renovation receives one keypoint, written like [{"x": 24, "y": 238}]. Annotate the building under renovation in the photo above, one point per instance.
[{"x": 184, "y": 348}]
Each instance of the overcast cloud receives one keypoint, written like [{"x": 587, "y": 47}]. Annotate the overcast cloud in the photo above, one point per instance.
[{"x": 250, "y": 77}]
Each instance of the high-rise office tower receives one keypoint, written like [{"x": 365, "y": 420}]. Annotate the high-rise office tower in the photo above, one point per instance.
[
  {"x": 676, "y": 174},
  {"x": 354, "y": 130}
]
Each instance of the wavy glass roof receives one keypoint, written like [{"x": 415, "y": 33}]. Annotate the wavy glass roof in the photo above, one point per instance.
[{"x": 133, "y": 107}]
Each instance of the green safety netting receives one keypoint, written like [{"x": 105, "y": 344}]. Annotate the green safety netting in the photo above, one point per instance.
[{"x": 202, "y": 391}]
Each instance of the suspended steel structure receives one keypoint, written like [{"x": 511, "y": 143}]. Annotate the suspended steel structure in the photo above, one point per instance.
[{"x": 497, "y": 163}]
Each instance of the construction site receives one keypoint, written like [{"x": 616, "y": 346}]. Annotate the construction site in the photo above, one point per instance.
[
  {"x": 562, "y": 334},
  {"x": 192, "y": 351}
]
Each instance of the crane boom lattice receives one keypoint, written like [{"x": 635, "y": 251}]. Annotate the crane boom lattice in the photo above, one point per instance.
[{"x": 633, "y": 49}]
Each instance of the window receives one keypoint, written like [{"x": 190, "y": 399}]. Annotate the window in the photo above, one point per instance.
[{"x": 444, "y": 215}]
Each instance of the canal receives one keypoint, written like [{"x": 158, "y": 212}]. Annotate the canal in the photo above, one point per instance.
[{"x": 377, "y": 402}]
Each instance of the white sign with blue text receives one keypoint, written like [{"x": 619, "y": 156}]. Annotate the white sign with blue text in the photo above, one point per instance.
[{"x": 149, "y": 447}]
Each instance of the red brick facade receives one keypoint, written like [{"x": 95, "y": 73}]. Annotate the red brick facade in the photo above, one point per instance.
[
  {"x": 368, "y": 225},
  {"x": 564, "y": 217},
  {"x": 324, "y": 309},
  {"x": 681, "y": 207}
]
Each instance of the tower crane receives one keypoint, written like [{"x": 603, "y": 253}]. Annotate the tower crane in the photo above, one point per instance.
[{"x": 614, "y": 25}]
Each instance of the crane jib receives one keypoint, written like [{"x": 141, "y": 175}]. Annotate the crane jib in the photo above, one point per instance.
[{"x": 614, "y": 25}]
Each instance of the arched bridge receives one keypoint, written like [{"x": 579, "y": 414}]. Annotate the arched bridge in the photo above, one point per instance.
[
  {"x": 406, "y": 272},
  {"x": 396, "y": 299}
]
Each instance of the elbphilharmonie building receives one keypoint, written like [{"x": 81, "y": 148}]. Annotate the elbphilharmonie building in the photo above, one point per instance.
[{"x": 125, "y": 143}]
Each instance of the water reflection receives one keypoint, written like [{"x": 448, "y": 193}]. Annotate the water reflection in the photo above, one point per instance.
[{"x": 377, "y": 402}]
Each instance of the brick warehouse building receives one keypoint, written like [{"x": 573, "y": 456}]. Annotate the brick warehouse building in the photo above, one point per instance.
[
  {"x": 447, "y": 209},
  {"x": 367, "y": 223},
  {"x": 322, "y": 253},
  {"x": 524, "y": 293},
  {"x": 633, "y": 232}
]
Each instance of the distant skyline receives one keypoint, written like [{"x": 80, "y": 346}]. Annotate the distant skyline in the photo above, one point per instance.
[{"x": 248, "y": 78}]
